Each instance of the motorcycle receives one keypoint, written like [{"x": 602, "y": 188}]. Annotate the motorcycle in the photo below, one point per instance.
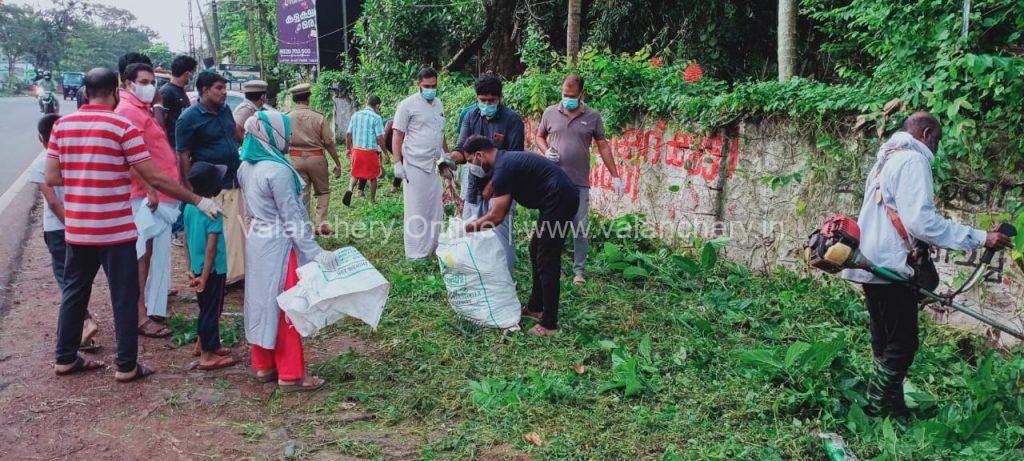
[{"x": 48, "y": 103}]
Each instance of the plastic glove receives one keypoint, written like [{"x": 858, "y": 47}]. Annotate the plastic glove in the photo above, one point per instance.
[
  {"x": 209, "y": 207},
  {"x": 618, "y": 186},
  {"x": 327, "y": 260},
  {"x": 399, "y": 171},
  {"x": 552, "y": 155}
]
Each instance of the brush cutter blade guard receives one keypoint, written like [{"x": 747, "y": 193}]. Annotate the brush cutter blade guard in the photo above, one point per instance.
[{"x": 831, "y": 246}]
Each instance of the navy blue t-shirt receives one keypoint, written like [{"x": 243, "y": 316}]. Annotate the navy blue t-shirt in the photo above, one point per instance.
[{"x": 534, "y": 182}]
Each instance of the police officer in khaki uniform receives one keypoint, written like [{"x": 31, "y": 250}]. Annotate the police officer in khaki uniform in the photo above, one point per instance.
[
  {"x": 311, "y": 136},
  {"x": 255, "y": 98}
]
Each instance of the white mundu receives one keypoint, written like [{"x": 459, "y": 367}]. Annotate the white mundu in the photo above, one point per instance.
[{"x": 423, "y": 125}]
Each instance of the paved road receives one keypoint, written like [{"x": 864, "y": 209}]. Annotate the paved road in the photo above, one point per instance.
[{"x": 18, "y": 117}]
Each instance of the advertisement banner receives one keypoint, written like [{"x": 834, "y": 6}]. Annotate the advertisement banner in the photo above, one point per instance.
[{"x": 296, "y": 25}]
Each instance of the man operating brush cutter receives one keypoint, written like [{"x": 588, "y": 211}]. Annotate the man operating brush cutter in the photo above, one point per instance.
[{"x": 886, "y": 250}]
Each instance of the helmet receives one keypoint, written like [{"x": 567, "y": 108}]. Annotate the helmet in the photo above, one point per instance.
[{"x": 830, "y": 246}]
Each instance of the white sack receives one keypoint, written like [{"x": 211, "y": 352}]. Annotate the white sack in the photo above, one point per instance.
[
  {"x": 480, "y": 287},
  {"x": 321, "y": 298}
]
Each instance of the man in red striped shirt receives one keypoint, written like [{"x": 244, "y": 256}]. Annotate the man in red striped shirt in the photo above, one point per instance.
[{"x": 91, "y": 153}]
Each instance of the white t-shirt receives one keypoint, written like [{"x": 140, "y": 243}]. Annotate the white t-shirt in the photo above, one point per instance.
[
  {"x": 37, "y": 175},
  {"x": 423, "y": 125}
]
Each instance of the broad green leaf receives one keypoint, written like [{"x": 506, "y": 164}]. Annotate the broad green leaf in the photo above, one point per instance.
[
  {"x": 635, "y": 273},
  {"x": 794, "y": 352}
]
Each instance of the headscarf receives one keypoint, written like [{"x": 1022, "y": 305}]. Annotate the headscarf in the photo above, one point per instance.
[{"x": 266, "y": 138}]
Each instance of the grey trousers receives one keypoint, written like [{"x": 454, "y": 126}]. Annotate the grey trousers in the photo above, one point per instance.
[{"x": 581, "y": 232}]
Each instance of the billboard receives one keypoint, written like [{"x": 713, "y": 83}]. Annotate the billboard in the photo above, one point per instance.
[
  {"x": 296, "y": 26},
  {"x": 239, "y": 72}
]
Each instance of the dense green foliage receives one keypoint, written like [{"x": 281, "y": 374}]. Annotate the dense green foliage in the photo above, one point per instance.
[{"x": 665, "y": 354}]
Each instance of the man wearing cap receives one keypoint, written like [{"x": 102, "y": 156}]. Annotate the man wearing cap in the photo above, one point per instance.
[
  {"x": 311, "y": 136},
  {"x": 255, "y": 98}
]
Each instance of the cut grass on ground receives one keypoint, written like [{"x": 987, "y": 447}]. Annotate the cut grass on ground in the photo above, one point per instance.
[{"x": 690, "y": 358}]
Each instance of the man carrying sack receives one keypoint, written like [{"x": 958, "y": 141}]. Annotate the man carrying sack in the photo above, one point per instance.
[{"x": 311, "y": 135}]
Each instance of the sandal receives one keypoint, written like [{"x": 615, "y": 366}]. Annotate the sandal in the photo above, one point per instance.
[
  {"x": 526, "y": 312},
  {"x": 222, "y": 362},
  {"x": 141, "y": 371},
  {"x": 538, "y": 330},
  {"x": 272, "y": 376},
  {"x": 197, "y": 351},
  {"x": 81, "y": 364},
  {"x": 299, "y": 387},
  {"x": 158, "y": 332},
  {"x": 88, "y": 346}
]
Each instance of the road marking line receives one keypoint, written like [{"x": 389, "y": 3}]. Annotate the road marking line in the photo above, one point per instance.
[{"x": 8, "y": 196}]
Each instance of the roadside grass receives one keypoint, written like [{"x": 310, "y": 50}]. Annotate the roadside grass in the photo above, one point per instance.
[{"x": 663, "y": 354}]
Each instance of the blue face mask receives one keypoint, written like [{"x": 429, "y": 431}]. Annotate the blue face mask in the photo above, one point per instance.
[
  {"x": 428, "y": 93},
  {"x": 570, "y": 103},
  {"x": 487, "y": 110}
]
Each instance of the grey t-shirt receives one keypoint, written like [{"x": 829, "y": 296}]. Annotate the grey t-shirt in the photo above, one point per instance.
[{"x": 572, "y": 138}]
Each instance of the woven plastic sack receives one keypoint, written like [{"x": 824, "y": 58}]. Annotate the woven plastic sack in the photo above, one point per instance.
[{"x": 480, "y": 289}]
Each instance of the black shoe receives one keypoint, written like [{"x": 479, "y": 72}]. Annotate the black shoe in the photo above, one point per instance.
[{"x": 347, "y": 199}]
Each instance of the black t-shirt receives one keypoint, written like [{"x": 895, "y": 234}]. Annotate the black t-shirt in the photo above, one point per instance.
[
  {"x": 534, "y": 182},
  {"x": 175, "y": 101}
]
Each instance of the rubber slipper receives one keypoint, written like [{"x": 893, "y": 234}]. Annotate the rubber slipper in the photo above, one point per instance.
[
  {"x": 89, "y": 346},
  {"x": 197, "y": 351},
  {"x": 298, "y": 387},
  {"x": 265, "y": 378},
  {"x": 222, "y": 362},
  {"x": 531, "y": 314},
  {"x": 141, "y": 371},
  {"x": 161, "y": 332},
  {"x": 80, "y": 365},
  {"x": 538, "y": 330}
]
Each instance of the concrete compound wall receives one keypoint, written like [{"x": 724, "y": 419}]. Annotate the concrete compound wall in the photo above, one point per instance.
[{"x": 717, "y": 184}]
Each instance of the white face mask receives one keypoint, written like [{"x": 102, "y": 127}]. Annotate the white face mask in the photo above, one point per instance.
[
  {"x": 477, "y": 170},
  {"x": 145, "y": 93}
]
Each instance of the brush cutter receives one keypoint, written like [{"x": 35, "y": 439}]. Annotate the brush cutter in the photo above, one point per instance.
[{"x": 835, "y": 246}]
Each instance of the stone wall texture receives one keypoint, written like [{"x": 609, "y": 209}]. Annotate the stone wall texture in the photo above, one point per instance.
[{"x": 721, "y": 184}]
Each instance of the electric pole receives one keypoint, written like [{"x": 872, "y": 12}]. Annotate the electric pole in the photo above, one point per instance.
[{"x": 787, "y": 39}]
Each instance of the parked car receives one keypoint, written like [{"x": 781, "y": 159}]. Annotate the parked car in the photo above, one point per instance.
[
  {"x": 234, "y": 99},
  {"x": 71, "y": 82}
]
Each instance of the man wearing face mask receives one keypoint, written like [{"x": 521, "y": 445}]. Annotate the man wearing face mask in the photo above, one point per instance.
[
  {"x": 565, "y": 134},
  {"x": 154, "y": 213},
  {"x": 175, "y": 100},
  {"x": 504, "y": 127},
  {"x": 417, "y": 146},
  {"x": 535, "y": 183}
]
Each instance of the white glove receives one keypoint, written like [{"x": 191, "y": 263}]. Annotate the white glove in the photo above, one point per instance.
[
  {"x": 618, "y": 186},
  {"x": 209, "y": 207},
  {"x": 327, "y": 260},
  {"x": 553, "y": 156},
  {"x": 399, "y": 171}
]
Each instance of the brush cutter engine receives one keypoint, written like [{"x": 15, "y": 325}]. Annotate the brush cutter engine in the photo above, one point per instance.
[{"x": 831, "y": 246}]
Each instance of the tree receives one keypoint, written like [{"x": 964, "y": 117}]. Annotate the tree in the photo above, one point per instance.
[
  {"x": 19, "y": 29},
  {"x": 787, "y": 39},
  {"x": 572, "y": 39}
]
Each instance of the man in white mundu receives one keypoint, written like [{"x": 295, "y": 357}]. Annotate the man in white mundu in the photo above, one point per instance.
[{"x": 417, "y": 145}]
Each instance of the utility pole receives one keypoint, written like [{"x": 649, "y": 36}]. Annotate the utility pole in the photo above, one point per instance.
[
  {"x": 344, "y": 28},
  {"x": 251, "y": 32},
  {"x": 216, "y": 26},
  {"x": 572, "y": 42},
  {"x": 209, "y": 35},
  {"x": 787, "y": 39},
  {"x": 967, "y": 18}
]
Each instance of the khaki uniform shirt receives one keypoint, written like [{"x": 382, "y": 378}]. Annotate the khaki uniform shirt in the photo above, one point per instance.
[
  {"x": 244, "y": 110},
  {"x": 310, "y": 130}
]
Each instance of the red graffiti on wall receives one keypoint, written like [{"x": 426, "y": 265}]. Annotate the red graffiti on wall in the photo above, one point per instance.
[{"x": 699, "y": 156}]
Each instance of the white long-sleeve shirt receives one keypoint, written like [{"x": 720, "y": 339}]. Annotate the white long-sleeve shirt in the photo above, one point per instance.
[{"x": 905, "y": 181}]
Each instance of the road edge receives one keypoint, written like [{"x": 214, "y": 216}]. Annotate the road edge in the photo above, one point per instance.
[{"x": 16, "y": 205}]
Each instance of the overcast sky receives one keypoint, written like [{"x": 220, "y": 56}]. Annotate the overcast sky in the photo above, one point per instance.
[{"x": 166, "y": 17}]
